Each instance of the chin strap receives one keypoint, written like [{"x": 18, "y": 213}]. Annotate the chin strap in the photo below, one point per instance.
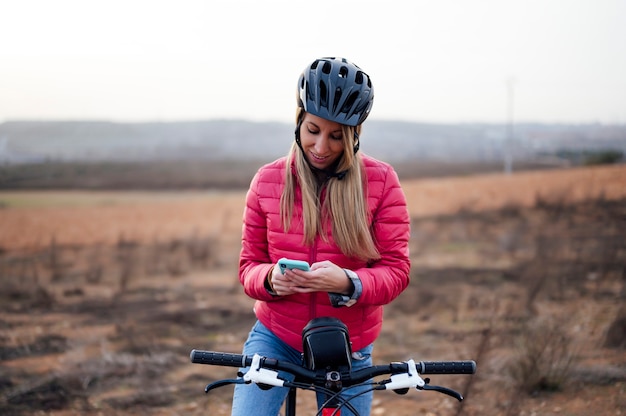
[{"x": 338, "y": 175}]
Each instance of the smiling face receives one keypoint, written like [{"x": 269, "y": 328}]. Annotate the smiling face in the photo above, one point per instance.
[{"x": 321, "y": 140}]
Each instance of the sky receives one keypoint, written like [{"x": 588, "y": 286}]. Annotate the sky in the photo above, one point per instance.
[{"x": 440, "y": 61}]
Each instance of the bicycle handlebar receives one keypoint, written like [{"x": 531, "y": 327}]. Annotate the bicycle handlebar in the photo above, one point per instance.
[
  {"x": 218, "y": 358},
  {"x": 355, "y": 377}
]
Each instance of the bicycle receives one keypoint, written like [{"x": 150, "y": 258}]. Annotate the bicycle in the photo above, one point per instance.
[{"x": 326, "y": 367}]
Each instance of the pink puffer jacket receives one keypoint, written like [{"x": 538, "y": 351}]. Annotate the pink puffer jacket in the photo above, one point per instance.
[{"x": 264, "y": 243}]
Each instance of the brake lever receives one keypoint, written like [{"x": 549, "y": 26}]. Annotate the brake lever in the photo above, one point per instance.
[
  {"x": 222, "y": 383},
  {"x": 443, "y": 390}
]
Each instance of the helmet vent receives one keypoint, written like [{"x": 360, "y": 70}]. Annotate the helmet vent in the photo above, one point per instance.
[
  {"x": 351, "y": 99},
  {"x": 323, "y": 94},
  {"x": 358, "y": 78},
  {"x": 327, "y": 67},
  {"x": 343, "y": 72},
  {"x": 337, "y": 98}
]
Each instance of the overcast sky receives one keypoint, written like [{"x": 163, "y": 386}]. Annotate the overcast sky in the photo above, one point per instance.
[{"x": 429, "y": 60}]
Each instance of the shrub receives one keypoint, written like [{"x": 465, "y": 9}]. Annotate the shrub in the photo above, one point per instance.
[{"x": 544, "y": 357}]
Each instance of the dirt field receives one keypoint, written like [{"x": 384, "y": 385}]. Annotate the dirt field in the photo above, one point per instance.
[{"x": 103, "y": 295}]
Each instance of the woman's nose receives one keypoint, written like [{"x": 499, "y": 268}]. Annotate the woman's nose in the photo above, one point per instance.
[{"x": 321, "y": 145}]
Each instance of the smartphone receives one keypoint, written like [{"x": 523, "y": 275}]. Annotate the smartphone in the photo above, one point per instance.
[{"x": 285, "y": 264}]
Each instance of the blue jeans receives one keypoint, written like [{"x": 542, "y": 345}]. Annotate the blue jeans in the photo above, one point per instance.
[{"x": 249, "y": 399}]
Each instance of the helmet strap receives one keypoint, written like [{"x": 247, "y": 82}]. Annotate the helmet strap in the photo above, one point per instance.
[{"x": 357, "y": 142}]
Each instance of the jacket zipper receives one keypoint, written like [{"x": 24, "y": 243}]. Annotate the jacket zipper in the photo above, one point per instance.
[
  {"x": 312, "y": 259},
  {"x": 313, "y": 299}
]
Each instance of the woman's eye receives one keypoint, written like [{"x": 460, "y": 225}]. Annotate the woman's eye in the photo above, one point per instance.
[{"x": 333, "y": 137}]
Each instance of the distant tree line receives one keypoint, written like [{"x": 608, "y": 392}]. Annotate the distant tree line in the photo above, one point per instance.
[{"x": 592, "y": 157}]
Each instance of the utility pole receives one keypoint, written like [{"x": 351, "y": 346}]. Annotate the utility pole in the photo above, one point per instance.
[{"x": 508, "y": 144}]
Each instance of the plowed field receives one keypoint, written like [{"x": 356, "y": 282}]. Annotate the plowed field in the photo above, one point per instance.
[{"x": 103, "y": 295}]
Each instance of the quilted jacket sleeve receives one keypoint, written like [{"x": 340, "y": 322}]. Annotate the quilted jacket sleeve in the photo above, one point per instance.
[
  {"x": 254, "y": 261},
  {"x": 385, "y": 279}
]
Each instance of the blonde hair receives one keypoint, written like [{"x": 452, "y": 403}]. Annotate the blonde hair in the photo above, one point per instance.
[{"x": 345, "y": 205}]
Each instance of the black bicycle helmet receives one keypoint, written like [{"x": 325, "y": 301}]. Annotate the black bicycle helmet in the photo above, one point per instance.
[{"x": 337, "y": 90}]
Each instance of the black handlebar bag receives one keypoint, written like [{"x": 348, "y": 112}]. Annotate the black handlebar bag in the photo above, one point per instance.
[{"x": 326, "y": 344}]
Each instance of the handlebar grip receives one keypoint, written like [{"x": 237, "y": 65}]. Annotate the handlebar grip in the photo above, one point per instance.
[
  {"x": 217, "y": 358},
  {"x": 446, "y": 367}
]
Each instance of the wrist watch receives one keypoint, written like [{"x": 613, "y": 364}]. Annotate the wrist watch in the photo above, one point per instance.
[{"x": 338, "y": 299}]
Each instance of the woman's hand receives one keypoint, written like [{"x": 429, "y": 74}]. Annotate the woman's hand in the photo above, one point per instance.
[
  {"x": 324, "y": 276},
  {"x": 281, "y": 283}
]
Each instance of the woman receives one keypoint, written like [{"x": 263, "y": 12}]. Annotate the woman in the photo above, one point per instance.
[{"x": 330, "y": 205}]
